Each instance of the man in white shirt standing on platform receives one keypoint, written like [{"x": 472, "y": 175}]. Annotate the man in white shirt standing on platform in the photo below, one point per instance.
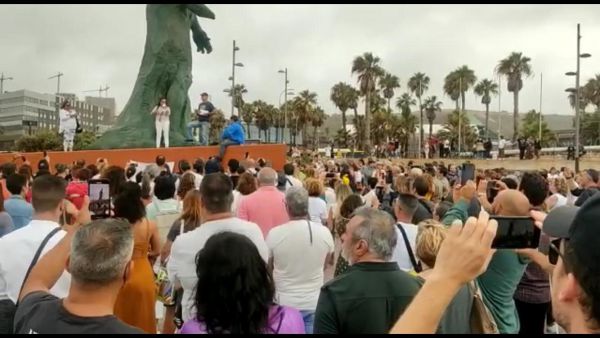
[
  {"x": 18, "y": 248},
  {"x": 217, "y": 196},
  {"x": 298, "y": 251},
  {"x": 501, "y": 145}
]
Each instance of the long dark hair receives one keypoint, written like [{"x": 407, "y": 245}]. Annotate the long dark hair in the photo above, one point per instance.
[
  {"x": 235, "y": 289},
  {"x": 162, "y": 98},
  {"x": 128, "y": 203}
]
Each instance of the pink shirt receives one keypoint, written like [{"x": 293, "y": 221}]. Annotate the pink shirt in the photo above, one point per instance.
[{"x": 265, "y": 207}]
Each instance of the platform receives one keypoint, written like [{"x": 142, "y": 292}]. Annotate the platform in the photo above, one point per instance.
[{"x": 274, "y": 153}]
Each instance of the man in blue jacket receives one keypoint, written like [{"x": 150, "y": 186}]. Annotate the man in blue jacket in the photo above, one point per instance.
[{"x": 232, "y": 135}]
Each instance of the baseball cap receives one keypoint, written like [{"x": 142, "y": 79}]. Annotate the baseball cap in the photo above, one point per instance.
[{"x": 579, "y": 226}]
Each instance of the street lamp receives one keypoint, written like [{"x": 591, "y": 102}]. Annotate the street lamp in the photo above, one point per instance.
[
  {"x": 232, "y": 77},
  {"x": 577, "y": 74},
  {"x": 285, "y": 91}
]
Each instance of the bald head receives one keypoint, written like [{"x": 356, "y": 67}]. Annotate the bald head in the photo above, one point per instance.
[
  {"x": 267, "y": 177},
  {"x": 511, "y": 203}
]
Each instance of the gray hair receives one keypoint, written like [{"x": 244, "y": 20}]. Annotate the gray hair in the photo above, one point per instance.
[
  {"x": 296, "y": 199},
  {"x": 377, "y": 229},
  {"x": 100, "y": 251},
  {"x": 267, "y": 177}
]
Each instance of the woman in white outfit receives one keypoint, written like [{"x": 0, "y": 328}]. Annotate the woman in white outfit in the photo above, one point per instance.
[
  {"x": 162, "y": 114},
  {"x": 68, "y": 125}
]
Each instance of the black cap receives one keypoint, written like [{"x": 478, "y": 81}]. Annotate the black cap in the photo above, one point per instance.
[{"x": 579, "y": 225}]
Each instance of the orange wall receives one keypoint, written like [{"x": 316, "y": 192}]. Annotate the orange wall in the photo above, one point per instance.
[{"x": 275, "y": 153}]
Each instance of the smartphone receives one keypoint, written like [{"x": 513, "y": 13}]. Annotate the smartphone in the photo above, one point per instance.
[
  {"x": 100, "y": 203},
  {"x": 467, "y": 173},
  {"x": 491, "y": 190},
  {"x": 516, "y": 233}
]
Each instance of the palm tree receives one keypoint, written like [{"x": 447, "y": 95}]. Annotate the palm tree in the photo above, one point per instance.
[
  {"x": 317, "y": 120},
  {"x": 248, "y": 116},
  {"x": 341, "y": 95},
  {"x": 418, "y": 84},
  {"x": 486, "y": 88},
  {"x": 467, "y": 79},
  {"x": 431, "y": 105},
  {"x": 238, "y": 100},
  {"x": 305, "y": 104},
  {"x": 353, "y": 96},
  {"x": 217, "y": 123},
  {"x": 451, "y": 127},
  {"x": 387, "y": 84},
  {"x": 515, "y": 67},
  {"x": 452, "y": 87},
  {"x": 407, "y": 120},
  {"x": 369, "y": 71},
  {"x": 591, "y": 91}
]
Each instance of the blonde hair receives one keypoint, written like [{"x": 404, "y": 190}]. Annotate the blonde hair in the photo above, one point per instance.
[
  {"x": 342, "y": 191},
  {"x": 314, "y": 187},
  {"x": 430, "y": 236},
  {"x": 561, "y": 186},
  {"x": 191, "y": 209}
]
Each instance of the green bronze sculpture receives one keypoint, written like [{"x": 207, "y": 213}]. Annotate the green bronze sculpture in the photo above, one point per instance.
[{"x": 166, "y": 71}]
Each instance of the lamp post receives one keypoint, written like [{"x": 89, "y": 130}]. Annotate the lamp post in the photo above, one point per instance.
[
  {"x": 2, "y": 79},
  {"x": 285, "y": 91},
  {"x": 232, "y": 78},
  {"x": 575, "y": 90}
]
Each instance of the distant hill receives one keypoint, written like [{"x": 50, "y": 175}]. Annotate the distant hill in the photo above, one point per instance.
[{"x": 555, "y": 122}]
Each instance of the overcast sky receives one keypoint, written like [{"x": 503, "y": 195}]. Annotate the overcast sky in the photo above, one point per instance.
[{"x": 95, "y": 45}]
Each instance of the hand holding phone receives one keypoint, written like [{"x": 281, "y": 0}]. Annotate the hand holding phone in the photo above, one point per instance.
[
  {"x": 100, "y": 202},
  {"x": 516, "y": 233}
]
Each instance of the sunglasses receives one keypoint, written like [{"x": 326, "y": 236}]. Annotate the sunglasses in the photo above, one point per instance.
[{"x": 554, "y": 251}]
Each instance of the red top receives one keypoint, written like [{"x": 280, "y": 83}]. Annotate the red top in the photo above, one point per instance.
[{"x": 76, "y": 191}]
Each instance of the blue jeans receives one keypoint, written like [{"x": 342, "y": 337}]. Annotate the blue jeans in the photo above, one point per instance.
[
  {"x": 204, "y": 129},
  {"x": 309, "y": 320},
  {"x": 224, "y": 144}
]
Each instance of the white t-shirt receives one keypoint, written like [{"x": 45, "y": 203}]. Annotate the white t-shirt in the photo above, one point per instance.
[
  {"x": 16, "y": 253},
  {"x": 329, "y": 197},
  {"x": 400, "y": 254},
  {"x": 501, "y": 144},
  {"x": 294, "y": 182},
  {"x": 370, "y": 199},
  {"x": 298, "y": 264},
  {"x": 237, "y": 198},
  {"x": 317, "y": 209},
  {"x": 182, "y": 262}
]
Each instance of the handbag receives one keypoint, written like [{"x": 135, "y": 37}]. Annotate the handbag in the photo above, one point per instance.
[
  {"x": 166, "y": 288},
  {"x": 481, "y": 318},
  {"x": 78, "y": 128}
]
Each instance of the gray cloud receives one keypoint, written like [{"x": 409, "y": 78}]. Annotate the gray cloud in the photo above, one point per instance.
[{"x": 103, "y": 44}]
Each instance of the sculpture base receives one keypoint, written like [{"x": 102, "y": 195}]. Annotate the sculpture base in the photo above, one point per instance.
[{"x": 274, "y": 153}]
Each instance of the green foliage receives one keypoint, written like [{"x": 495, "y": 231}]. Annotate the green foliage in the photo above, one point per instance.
[
  {"x": 84, "y": 140},
  {"x": 590, "y": 128},
  {"x": 530, "y": 127},
  {"x": 451, "y": 128},
  {"x": 217, "y": 123},
  {"x": 43, "y": 140}
]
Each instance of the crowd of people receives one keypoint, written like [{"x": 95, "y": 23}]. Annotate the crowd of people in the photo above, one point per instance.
[{"x": 323, "y": 246}]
